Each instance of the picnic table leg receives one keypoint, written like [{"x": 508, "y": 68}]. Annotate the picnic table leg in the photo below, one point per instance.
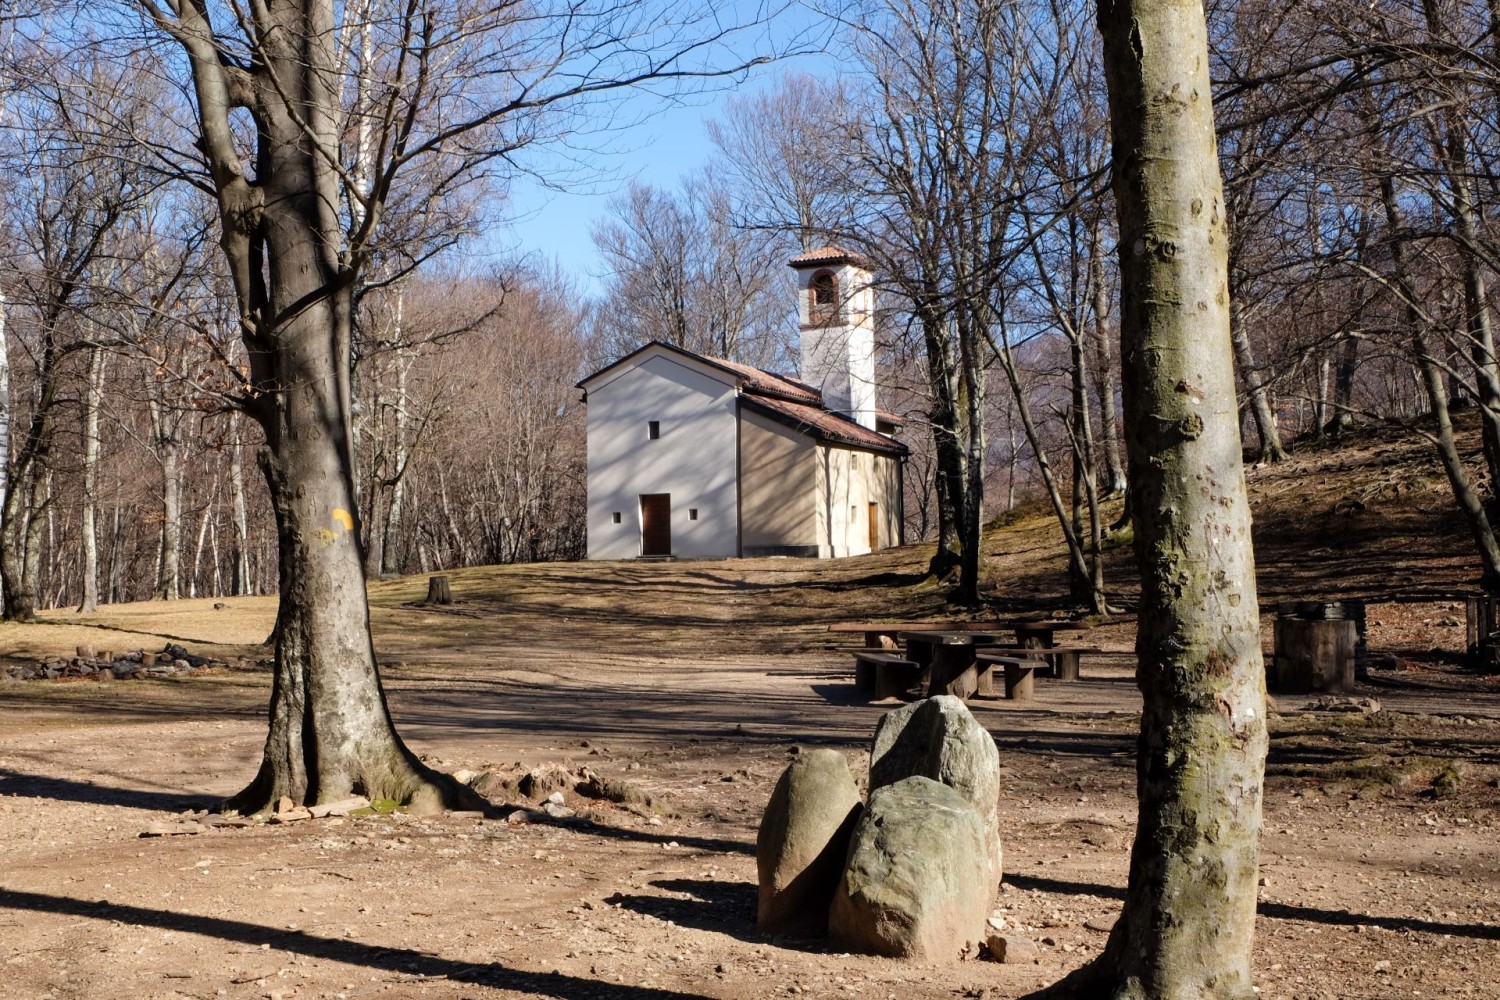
[
  {"x": 1020, "y": 682},
  {"x": 1031, "y": 640},
  {"x": 1065, "y": 666},
  {"x": 953, "y": 672},
  {"x": 985, "y": 681}
]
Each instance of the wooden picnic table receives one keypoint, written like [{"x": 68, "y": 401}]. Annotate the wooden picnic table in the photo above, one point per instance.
[
  {"x": 873, "y": 632},
  {"x": 948, "y": 657}
]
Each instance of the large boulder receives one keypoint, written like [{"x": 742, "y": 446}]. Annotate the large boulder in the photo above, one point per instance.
[
  {"x": 804, "y": 836},
  {"x": 939, "y": 739},
  {"x": 914, "y": 885}
]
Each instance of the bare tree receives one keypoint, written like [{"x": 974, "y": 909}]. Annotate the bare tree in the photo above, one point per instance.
[{"x": 462, "y": 88}]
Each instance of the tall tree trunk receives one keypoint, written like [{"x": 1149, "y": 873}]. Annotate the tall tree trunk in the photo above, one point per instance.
[
  {"x": 943, "y": 417},
  {"x": 169, "y": 570},
  {"x": 1187, "y": 926},
  {"x": 1343, "y": 382},
  {"x": 1260, "y": 400},
  {"x": 1104, "y": 373},
  {"x": 241, "y": 584},
  {"x": 390, "y": 548},
  {"x": 330, "y": 733},
  {"x": 95, "y": 390},
  {"x": 5, "y": 462},
  {"x": 36, "y": 526},
  {"x": 971, "y": 366}
]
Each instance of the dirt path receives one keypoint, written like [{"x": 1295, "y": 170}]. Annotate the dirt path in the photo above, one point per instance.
[{"x": 694, "y": 683}]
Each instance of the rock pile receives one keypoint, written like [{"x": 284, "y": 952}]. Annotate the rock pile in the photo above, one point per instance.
[
  {"x": 913, "y": 873},
  {"x": 135, "y": 664}
]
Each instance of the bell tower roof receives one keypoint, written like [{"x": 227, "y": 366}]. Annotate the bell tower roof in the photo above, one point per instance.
[{"x": 826, "y": 257}]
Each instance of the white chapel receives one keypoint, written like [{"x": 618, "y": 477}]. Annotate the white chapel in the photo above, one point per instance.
[{"x": 701, "y": 458}]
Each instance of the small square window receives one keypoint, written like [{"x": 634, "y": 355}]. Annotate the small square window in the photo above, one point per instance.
[
  {"x": 653, "y": 429},
  {"x": 616, "y": 517},
  {"x": 692, "y": 513}
]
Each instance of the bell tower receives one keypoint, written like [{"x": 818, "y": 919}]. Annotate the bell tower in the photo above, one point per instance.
[{"x": 836, "y": 317}]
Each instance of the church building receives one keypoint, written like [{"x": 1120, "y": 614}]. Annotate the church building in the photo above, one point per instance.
[{"x": 701, "y": 458}]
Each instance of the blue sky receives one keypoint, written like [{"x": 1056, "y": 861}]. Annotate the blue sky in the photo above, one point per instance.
[
  {"x": 669, "y": 144},
  {"x": 663, "y": 143}
]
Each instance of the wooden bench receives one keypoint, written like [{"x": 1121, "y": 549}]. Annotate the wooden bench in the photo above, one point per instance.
[
  {"x": 884, "y": 674},
  {"x": 1020, "y": 674},
  {"x": 1063, "y": 659}
]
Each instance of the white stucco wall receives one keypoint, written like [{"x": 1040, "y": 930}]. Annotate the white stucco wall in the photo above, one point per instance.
[
  {"x": 848, "y": 481},
  {"x": 694, "y": 460}
]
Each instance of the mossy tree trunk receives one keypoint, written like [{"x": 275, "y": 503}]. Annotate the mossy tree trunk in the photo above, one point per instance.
[{"x": 1187, "y": 925}]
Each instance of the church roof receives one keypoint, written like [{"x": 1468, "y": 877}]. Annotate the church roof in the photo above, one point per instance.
[
  {"x": 826, "y": 255},
  {"x": 825, "y": 425},
  {"x": 764, "y": 383}
]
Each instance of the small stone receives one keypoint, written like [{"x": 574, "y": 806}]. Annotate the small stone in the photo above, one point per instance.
[
  {"x": 519, "y": 817},
  {"x": 1011, "y": 949},
  {"x": 1383, "y": 966},
  {"x": 285, "y": 804},
  {"x": 1101, "y": 926},
  {"x": 556, "y": 799},
  {"x": 172, "y": 829},
  {"x": 343, "y": 807},
  {"x": 290, "y": 816}
]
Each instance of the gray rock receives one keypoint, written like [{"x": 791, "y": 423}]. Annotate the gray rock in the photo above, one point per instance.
[
  {"x": 803, "y": 839},
  {"x": 939, "y": 739},
  {"x": 1011, "y": 949},
  {"x": 914, "y": 885}
]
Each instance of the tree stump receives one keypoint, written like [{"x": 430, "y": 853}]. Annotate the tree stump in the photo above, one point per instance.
[
  {"x": 1313, "y": 656},
  {"x": 437, "y": 590}
]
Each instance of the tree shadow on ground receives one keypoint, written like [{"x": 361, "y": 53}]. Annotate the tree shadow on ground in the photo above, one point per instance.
[
  {"x": 1275, "y": 911},
  {"x": 402, "y": 961},
  {"x": 62, "y": 789},
  {"x": 720, "y": 907},
  {"x": 717, "y": 844}
]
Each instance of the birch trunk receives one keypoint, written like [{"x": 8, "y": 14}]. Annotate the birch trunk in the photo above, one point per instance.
[
  {"x": 1187, "y": 926},
  {"x": 90, "y": 602},
  {"x": 1104, "y": 375},
  {"x": 241, "y": 584}
]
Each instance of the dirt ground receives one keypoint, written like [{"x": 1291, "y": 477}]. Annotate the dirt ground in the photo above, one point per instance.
[{"x": 694, "y": 683}]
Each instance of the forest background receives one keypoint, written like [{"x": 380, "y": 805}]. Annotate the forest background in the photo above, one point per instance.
[{"x": 961, "y": 147}]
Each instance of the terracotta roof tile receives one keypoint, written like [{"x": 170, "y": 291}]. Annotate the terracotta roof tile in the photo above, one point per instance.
[
  {"x": 767, "y": 383},
  {"x": 823, "y": 424},
  {"x": 825, "y": 255}
]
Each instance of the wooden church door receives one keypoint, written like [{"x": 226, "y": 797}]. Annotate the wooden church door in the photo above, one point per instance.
[{"x": 656, "y": 524}]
